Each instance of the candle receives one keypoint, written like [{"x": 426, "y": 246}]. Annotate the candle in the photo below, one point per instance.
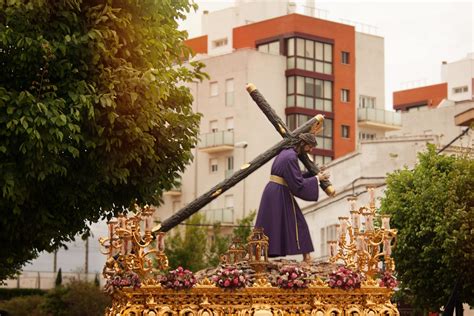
[
  {"x": 160, "y": 242},
  {"x": 343, "y": 226},
  {"x": 387, "y": 248},
  {"x": 353, "y": 202},
  {"x": 386, "y": 221},
  {"x": 112, "y": 224},
  {"x": 371, "y": 195},
  {"x": 332, "y": 248},
  {"x": 355, "y": 215},
  {"x": 369, "y": 222}
]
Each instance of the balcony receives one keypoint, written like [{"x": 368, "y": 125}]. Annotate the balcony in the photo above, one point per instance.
[
  {"x": 216, "y": 142},
  {"x": 220, "y": 215},
  {"x": 229, "y": 173},
  {"x": 379, "y": 119}
]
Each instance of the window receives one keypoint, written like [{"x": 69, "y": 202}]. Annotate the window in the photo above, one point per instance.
[
  {"x": 366, "y": 136},
  {"x": 219, "y": 43},
  {"x": 345, "y": 57},
  {"x": 270, "y": 48},
  {"x": 324, "y": 139},
  {"x": 213, "y": 89},
  {"x": 366, "y": 102},
  {"x": 228, "y": 212},
  {"x": 213, "y": 166},
  {"x": 344, "y": 95},
  {"x": 345, "y": 131},
  {"x": 213, "y": 126},
  {"x": 230, "y": 167},
  {"x": 229, "y": 124},
  {"x": 230, "y": 163},
  {"x": 309, "y": 93},
  {"x": 309, "y": 55},
  {"x": 229, "y": 92},
  {"x": 322, "y": 160},
  {"x": 460, "y": 89},
  {"x": 328, "y": 233}
]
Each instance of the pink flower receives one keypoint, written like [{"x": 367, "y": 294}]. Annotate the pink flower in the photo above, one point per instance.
[
  {"x": 294, "y": 275},
  {"x": 226, "y": 283}
]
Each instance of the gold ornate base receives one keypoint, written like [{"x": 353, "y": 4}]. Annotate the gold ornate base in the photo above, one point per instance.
[{"x": 210, "y": 300}]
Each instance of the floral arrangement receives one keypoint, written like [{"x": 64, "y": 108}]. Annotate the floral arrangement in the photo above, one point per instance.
[
  {"x": 291, "y": 277},
  {"x": 344, "y": 279},
  {"x": 119, "y": 281},
  {"x": 388, "y": 280},
  {"x": 230, "y": 278},
  {"x": 178, "y": 279}
]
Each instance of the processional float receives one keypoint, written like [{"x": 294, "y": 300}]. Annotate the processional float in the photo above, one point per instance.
[{"x": 136, "y": 263}]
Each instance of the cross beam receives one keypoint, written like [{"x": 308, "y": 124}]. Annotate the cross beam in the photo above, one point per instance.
[
  {"x": 281, "y": 128},
  {"x": 245, "y": 170}
]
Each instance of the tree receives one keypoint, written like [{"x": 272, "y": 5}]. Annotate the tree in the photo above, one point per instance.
[
  {"x": 432, "y": 206},
  {"x": 76, "y": 298},
  {"x": 187, "y": 247},
  {"x": 244, "y": 227},
  {"x": 59, "y": 278},
  {"x": 218, "y": 246},
  {"x": 93, "y": 115}
]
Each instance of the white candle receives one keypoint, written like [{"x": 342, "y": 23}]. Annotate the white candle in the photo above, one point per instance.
[
  {"x": 343, "y": 221},
  {"x": 386, "y": 221},
  {"x": 369, "y": 222},
  {"x": 387, "y": 248},
  {"x": 371, "y": 196}
]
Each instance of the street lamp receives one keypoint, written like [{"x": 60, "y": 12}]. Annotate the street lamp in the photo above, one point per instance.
[{"x": 243, "y": 144}]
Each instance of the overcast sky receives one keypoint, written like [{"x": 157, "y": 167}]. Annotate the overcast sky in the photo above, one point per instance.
[{"x": 419, "y": 35}]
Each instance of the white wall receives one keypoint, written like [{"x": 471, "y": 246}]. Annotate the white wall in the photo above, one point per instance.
[
  {"x": 370, "y": 63},
  {"x": 219, "y": 24},
  {"x": 440, "y": 120},
  {"x": 459, "y": 74},
  {"x": 266, "y": 71}
]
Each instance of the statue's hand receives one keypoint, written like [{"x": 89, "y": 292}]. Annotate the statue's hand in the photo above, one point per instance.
[{"x": 323, "y": 176}]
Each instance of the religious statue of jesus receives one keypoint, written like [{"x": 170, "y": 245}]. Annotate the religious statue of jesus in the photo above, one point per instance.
[{"x": 279, "y": 214}]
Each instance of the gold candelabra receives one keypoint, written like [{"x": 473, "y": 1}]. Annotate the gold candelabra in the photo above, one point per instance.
[
  {"x": 129, "y": 246},
  {"x": 362, "y": 245}
]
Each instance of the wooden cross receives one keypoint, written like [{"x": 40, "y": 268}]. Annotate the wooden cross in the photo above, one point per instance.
[{"x": 290, "y": 139}]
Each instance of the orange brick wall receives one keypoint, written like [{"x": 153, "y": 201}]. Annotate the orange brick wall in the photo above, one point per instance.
[
  {"x": 429, "y": 95},
  {"x": 344, "y": 75},
  {"x": 198, "y": 44}
]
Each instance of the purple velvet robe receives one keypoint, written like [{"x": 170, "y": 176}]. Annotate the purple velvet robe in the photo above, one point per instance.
[{"x": 278, "y": 209}]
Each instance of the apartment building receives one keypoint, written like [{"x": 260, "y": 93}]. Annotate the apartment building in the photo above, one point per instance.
[
  {"x": 431, "y": 108},
  {"x": 303, "y": 66}
]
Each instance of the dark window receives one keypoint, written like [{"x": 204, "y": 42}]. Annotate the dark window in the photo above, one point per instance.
[
  {"x": 345, "y": 130},
  {"x": 345, "y": 96},
  {"x": 345, "y": 57}
]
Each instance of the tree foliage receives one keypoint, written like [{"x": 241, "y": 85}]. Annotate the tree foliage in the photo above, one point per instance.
[
  {"x": 76, "y": 298},
  {"x": 92, "y": 115},
  {"x": 187, "y": 247},
  {"x": 190, "y": 248},
  {"x": 432, "y": 206}
]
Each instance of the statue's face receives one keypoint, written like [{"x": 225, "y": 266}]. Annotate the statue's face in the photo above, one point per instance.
[{"x": 305, "y": 149}]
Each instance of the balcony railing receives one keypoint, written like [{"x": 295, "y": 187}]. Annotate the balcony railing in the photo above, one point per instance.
[
  {"x": 216, "y": 141},
  {"x": 380, "y": 118},
  {"x": 229, "y": 173},
  {"x": 221, "y": 215}
]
